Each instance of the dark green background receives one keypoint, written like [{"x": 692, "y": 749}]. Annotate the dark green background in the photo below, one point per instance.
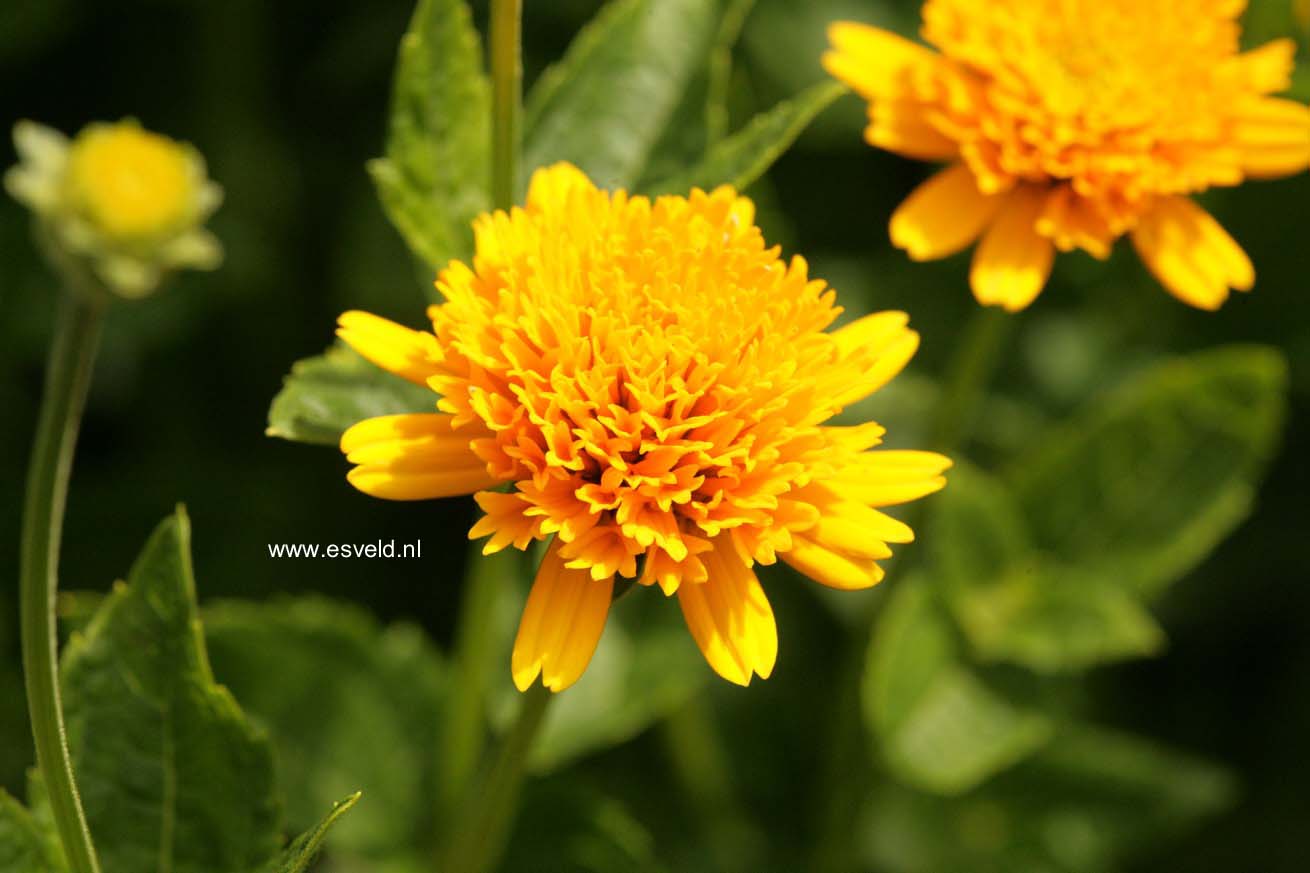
[{"x": 287, "y": 100}]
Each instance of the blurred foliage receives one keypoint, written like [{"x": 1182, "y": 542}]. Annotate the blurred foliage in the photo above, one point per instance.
[
  {"x": 1078, "y": 806},
  {"x": 1111, "y": 497},
  {"x": 355, "y": 708}
]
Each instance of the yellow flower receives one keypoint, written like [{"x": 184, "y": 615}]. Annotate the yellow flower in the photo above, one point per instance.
[
  {"x": 126, "y": 201},
  {"x": 654, "y": 382},
  {"x": 1068, "y": 123}
]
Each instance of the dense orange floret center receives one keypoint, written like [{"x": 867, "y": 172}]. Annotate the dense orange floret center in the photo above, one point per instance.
[
  {"x": 649, "y": 374},
  {"x": 650, "y": 386},
  {"x": 1124, "y": 98},
  {"x": 1117, "y": 101}
]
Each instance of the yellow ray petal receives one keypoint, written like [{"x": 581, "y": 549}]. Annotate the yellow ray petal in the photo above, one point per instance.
[
  {"x": 1273, "y": 137},
  {"x": 408, "y": 441},
  {"x": 561, "y": 624},
  {"x": 888, "y": 478},
  {"x": 943, "y": 216},
  {"x": 830, "y": 567},
  {"x": 1267, "y": 69},
  {"x": 871, "y": 60},
  {"x": 1190, "y": 254},
  {"x": 411, "y": 354},
  {"x": 406, "y": 485},
  {"x": 848, "y": 537},
  {"x": 906, "y": 128},
  {"x": 1013, "y": 261},
  {"x": 730, "y": 618},
  {"x": 882, "y": 344},
  {"x": 412, "y": 457},
  {"x": 856, "y": 437},
  {"x": 550, "y": 186}
]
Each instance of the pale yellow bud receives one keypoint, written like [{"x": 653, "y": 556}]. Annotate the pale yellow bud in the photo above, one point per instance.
[{"x": 118, "y": 203}]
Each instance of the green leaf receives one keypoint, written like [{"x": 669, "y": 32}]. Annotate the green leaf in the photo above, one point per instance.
[
  {"x": 24, "y": 846},
  {"x": 434, "y": 178},
  {"x": 1145, "y": 483},
  {"x": 1019, "y": 606},
  {"x": 1084, "y": 804},
  {"x": 701, "y": 118},
  {"x": 350, "y": 705},
  {"x": 172, "y": 774},
  {"x": 1051, "y": 619},
  {"x": 605, "y": 105},
  {"x": 976, "y": 531},
  {"x": 941, "y": 727},
  {"x": 746, "y": 155},
  {"x": 297, "y": 857},
  {"x": 325, "y": 395}
]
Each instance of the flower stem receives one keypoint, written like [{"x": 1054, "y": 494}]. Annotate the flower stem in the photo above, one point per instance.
[
  {"x": 464, "y": 730},
  {"x": 506, "y": 95},
  {"x": 68, "y": 376},
  {"x": 968, "y": 374},
  {"x": 478, "y": 839}
]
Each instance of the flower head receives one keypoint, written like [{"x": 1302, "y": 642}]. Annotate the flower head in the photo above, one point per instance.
[
  {"x": 126, "y": 202},
  {"x": 1068, "y": 123},
  {"x": 653, "y": 384}
]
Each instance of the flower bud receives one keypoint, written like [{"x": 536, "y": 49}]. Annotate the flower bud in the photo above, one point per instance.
[{"x": 117, "y": 205}]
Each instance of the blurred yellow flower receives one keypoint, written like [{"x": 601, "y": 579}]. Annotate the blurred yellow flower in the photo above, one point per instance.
[
  {"x": 1067, "y": 123},
  {"x": 654, "y": 381},
  {"x": 126, "y": 201}
]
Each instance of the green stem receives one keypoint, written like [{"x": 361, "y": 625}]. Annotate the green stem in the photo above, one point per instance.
[
  {"x": 72, "y": 356},
  {"x": 506, "y": 95},
  {"x": 464, "y": 732},
  {"x": 478, "y": 840},
  {"x": 971, "y": 369}
]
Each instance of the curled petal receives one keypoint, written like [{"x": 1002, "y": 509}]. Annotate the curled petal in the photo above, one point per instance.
[
  {"x": 561, "y": 624},
  {"x": 831, "y": 566},
  {"x": 410, "y": 354},
  {"x": 888, "y": 478},
  {"x": 880, "y": 66},
  {"x": 412, "y": 457},
  {"x": 880, "y": 345},
  {"x": 943, "y": 216},
  {"x": 1273, "y": 137},
  {"x": 730, "y": 618},
  {"x": 1191, "y": 254},
  {"x": 1013, "y": 261}
]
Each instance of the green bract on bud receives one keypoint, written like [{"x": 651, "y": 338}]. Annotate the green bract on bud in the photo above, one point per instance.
[{"x": 117, "y": 203}]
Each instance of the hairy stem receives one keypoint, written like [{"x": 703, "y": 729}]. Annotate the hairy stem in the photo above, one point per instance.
[{"x": 68, "y": 376}]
